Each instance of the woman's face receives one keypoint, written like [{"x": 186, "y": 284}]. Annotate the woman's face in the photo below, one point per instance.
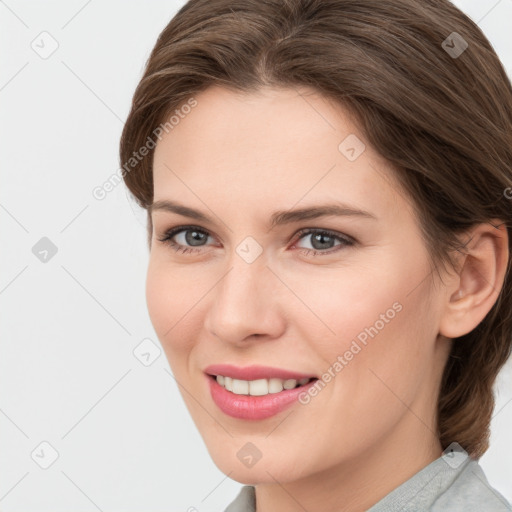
[{"x": 355, "y": 304}]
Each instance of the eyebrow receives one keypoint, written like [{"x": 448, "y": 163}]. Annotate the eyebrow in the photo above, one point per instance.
[{"x": 278, "y": 218}]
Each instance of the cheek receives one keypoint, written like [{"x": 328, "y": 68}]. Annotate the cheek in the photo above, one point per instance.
[
  {"x": 372, "y": 316},
  {"x": 175, "y": 301},
  {"x": 339, "y": 305},
  {"x": 156, "y": 299},
  {"x": 167, "y": 300}
]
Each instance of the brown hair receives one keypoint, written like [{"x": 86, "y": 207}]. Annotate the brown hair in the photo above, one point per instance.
[{"x": 443, "y": 121}]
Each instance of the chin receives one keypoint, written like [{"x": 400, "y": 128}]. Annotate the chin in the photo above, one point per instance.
[{"x": 266, "y": 469}]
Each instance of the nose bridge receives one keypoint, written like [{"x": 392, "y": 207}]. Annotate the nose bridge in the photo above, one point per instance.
[
  {"x": 241, "y": 304},
  {"x": 242, "y": 286}
]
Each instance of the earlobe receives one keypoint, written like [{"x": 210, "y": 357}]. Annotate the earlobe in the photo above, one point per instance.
[{"x": 477, "y": 285}]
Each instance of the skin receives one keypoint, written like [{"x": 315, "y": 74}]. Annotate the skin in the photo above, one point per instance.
[{"x": 238, "y": 158}]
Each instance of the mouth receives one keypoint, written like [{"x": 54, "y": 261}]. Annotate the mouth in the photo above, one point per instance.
[
  {"x": 255, "y": 392},
  {"x": 257, "y": 399}
]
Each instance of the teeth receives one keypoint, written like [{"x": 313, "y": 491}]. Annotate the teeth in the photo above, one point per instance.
[
  {"x": 258, "y": 387},
  {"x": 289, "y": 384},
  {"x": 240, "y": 387},
  {"x": 275, "y": 385}
]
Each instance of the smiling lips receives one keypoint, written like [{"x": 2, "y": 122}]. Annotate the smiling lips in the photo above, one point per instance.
[
  {"x": 255, "y": 392},
  {"x": 254, "y": 372}
]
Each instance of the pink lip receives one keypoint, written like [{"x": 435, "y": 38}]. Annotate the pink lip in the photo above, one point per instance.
[
  {"x": 254, "y": 372},
  {"x": 248, "y": 407}
]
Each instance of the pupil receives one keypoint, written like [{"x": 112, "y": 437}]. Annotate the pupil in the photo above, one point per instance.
[
  {"x": 318, "y": 237},
  {"x": 191, "y": 240}
]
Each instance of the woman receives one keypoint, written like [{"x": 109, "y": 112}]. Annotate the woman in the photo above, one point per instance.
[{"x": 328, "y": 193}]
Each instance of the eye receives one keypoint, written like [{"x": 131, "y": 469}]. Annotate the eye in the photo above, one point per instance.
[
  {"x": 191, "y": 239},
  {"x": 324, "y": 239},
  {"x": 187, "y": 235}
]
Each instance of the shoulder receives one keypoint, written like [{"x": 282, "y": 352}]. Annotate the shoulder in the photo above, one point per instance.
[
  {"x": 245, "y": 501},
  {"x": 471, "y": 492}
]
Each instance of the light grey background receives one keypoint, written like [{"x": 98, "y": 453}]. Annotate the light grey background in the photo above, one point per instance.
[{"x": 68, "y": 375}]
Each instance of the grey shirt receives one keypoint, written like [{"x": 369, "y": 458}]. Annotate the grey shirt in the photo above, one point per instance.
[{"x": 454, "y": 485}]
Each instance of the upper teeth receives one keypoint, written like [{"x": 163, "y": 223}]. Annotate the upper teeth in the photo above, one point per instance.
[{"x": 258, "y": 387}]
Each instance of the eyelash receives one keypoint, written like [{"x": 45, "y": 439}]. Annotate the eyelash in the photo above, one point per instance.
[{"x": 345, "y": 240}]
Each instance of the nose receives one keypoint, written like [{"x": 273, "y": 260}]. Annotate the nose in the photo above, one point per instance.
[{"x": 245, "y": 304}]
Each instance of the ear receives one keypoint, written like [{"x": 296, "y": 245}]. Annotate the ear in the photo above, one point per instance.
[{"x": 476, "y": 285}]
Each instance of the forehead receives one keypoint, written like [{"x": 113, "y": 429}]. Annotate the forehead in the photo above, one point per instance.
[{"x": 278, "y": 145}]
